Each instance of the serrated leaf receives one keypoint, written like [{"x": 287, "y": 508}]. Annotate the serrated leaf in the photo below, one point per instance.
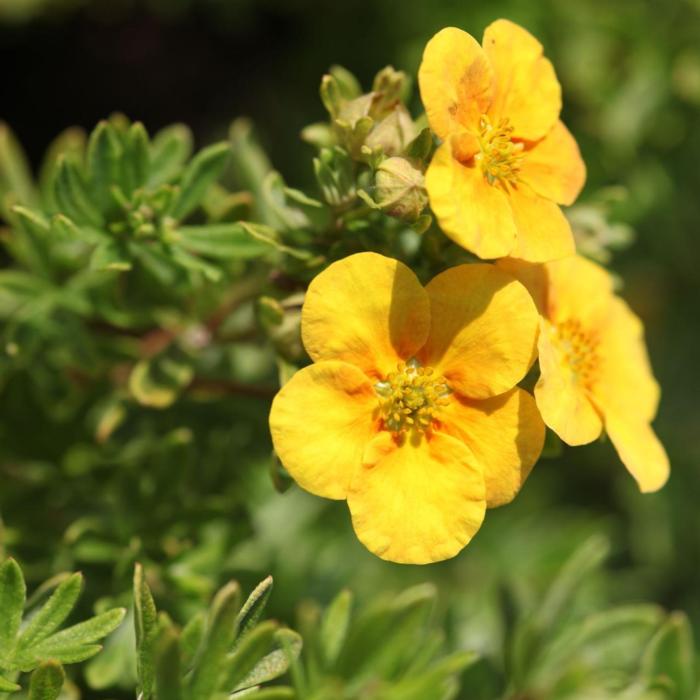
[
  {"x": 249, "y": 652},
  {"x": 146, "y": 627},
  {"x": 221, "y": 631},
  {"x": 53, "y": 613},
  {"x": 13, "y": 592},
  {"x": 334, "y": 626},
  {"x": 170, "y": 149},
  {"x": 204, "y": 169},
  {"x": 254, "y": 606},
  {"x": 47, "y": 681},
  {"x": 221, "y": 241},
  {"x": 277, "y": 662}
]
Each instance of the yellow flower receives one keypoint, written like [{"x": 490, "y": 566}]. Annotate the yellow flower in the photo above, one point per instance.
[
  {"x": 595, "y": 373},
  {"x": 410, "y": 411},
  {"x": 506, "y": 160}
]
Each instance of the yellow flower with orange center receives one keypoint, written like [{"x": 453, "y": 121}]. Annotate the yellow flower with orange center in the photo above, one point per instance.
[
  {"x": 410, "y": 410},
  {"x": 595, "y": 372},
  {"x": 506, "y": 160}
]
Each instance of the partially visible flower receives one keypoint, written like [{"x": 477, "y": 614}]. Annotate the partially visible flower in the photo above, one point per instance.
[
  {"x": 410, "y": 411},
  {"x": 506, "y": 160},
  {"x": 595, "y": 373}
]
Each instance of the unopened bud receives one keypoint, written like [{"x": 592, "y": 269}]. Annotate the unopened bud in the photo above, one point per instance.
[
  {"x": 400, "y": 189},
  {"x": 393, "y": 133}
]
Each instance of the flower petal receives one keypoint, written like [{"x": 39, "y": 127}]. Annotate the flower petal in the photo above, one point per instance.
[
  {"x": 455, "y": 80},
  {"x": 419, "y": 501},
  {"x": 625, "y": 383},
  {"x": 563, "y": 402},
  {"x": 640, "y": 451},
  {"x": 578, "y": 288},
  {"x": 368, "y": 310},
  {"x": 533, "y": 276},
  {"x": 321, "y": 421},
  {"x": 527, "y": 90},
  {"x": 543, "y": 231},
  {"x": 471, "y": 212},
  {"x": 553, "y": 167},
  {"x": 483, "y": 330},
  {"x": 505, "y": 434}
]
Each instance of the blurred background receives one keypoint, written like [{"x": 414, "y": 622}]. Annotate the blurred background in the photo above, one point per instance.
[{"x": 204, "y": 509}]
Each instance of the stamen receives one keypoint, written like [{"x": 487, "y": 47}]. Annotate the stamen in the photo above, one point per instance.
[
  {"x": 410, "y": 398},
  {"x": 499, "y": 156},
  {"x": 579, "y": 350}
]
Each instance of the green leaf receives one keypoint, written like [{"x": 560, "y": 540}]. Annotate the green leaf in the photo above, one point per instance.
[
  {"x": 268, "y": 236},
  {"x": 334, "y": 626},
  {"x": 46, "y": 682},
  {"x": 170, "y": 149},
  {"x": 53, "y": 613},
  {"x": 191, "y": 638},
  {"x": 15, "y": 173},
  {"x": 281, "y": 693},
  {"x": 110, "y": 255},
  {"x": 72, "y": 654},
  {"x": 254, "y": 606},
  {"x": 72, "y": 196},
  {"x": 221, "y": 241},
  {"x": 221, "y": 631},
  {"x": 146, "y": 627},
  {"x": 13, "y": 592},
  {"x": 276, "y": 663},
  {"x": 82, "y": 633},
  {"x": 204, "y": 169},
  {"x": 251, "y": 650},
  {"x": 158, "y": 382},
  {"x": 69, "y": 143},
  {"x": 8, "y": 686},
  {"x": 103, "y": 164},
  {"x": 137, "y": 155},
  {"x": 670, "y": 655},
  {"x": 167, "y": 666},
  {"x": 34, "y": 239}
]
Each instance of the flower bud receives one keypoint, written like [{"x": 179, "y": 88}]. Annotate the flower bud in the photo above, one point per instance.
[
  {"x": 393, "y": 133},
  {"x": 400, "y": 189}
]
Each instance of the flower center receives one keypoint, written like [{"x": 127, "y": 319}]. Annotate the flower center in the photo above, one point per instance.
[
  {"x": 579, "y": 349},
  {"x": 410, "y": 397},
  {"x": 499, "y": 156}
]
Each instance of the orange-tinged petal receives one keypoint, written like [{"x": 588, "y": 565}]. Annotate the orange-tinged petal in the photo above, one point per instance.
[
  {"x": 483, "y": 330},
  {"x": 562, "y": 399},
  {"x": 471, "y": 212},
  {"x": 368, "y": 310},
  {"x": 543, "y": 232},
  {"x": 321, "y": 421},
  {"x": 455, "y": 80},
  {"x": 625, "y": 381},
  {"x": 505, "y": 433},
  {"x": 527, "y": 90},
  {"x": 578, "y": 288},
  {"x": 533, "y": 276},
  {"x": 419, "y": 501},
  {"x": 553, "y": 167},
  {"x": 640, "y": 451}
]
